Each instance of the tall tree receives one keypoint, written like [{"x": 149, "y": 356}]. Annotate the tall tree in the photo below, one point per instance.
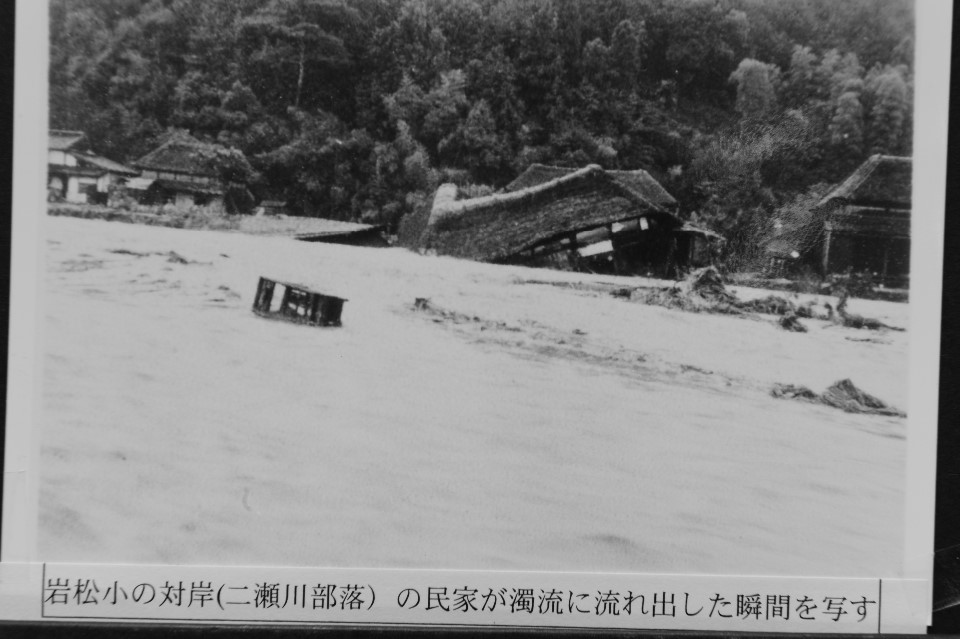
[
  {"x": 846, "y": 127},
  {"x": 888, "y": 119},
  {"x": 298, "y": 35},
  {"x": 756, "y": 88}
]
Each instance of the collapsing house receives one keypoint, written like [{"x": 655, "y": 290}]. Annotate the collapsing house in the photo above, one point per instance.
[
  {"x": 585, "y": 219},
  {"x": 861, "y": 226}
]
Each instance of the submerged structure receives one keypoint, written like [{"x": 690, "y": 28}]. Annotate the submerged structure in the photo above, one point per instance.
[
  {"x": 296, "y": 303},
  {"x": 584, "y": 219}
]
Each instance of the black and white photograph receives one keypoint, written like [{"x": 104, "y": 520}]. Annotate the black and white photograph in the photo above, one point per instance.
[{"x": 579, "y": 286}]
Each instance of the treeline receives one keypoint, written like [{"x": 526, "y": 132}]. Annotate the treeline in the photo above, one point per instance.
[{"x": 358, "y": 109}]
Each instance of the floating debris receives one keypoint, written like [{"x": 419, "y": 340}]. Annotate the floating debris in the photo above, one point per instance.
[
  {"x": 791, "y": 391},
  {"x": 296, "y": 303},
  {"x": 176, "y": 258},
  {"x": 703, "y": 291},
  {"x": 791, "y": 322},
  {"x": 851, "y": 320},
  {"x": 843, "y": 395}
]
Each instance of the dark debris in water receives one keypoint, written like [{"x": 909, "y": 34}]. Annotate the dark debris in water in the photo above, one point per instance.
[
  {"x": 843, "y": 394},
  {"x": 172, "y": 256},
  {"x": 703, "y": 290}
]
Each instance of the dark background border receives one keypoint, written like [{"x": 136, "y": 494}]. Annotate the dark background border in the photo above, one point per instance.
[{"x": 946, "y": 618}]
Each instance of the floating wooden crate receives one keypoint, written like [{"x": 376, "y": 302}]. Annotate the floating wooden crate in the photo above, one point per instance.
[{"x": 296, "y": 303}]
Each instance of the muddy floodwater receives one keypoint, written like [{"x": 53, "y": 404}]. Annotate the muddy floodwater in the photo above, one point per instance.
[{"x": 524, "y": 421}]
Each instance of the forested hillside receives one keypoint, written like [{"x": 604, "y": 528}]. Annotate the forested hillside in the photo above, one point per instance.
[{"x": 358, "y": 109}]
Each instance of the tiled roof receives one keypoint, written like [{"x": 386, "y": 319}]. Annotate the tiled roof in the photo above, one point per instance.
[{"x": 60, "y": 140}]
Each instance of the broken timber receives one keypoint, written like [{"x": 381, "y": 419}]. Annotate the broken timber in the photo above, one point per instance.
[{"x": 296, "y": 303}]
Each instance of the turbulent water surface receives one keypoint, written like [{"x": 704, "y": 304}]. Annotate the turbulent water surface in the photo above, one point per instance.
[{"x": 513, "y": 424}]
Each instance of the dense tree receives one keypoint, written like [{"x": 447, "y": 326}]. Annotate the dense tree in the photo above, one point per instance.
[
  {"x": 288, "y": 37},
  {"x": 889, "y": 112},
  {"x": 357, "y": 109},
  {"x": 846, "y": 127},
  {"x": 756, "y": 89}
]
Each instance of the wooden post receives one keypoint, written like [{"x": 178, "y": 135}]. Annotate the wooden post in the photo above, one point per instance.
[
  {"x": 826, "y": 253},
  {"x": 258, "y": 300},
  {"x": 284, "y": 301},
  {"x": 886, "y": 259}
]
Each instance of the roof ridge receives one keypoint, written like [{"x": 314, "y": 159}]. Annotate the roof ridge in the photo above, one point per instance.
[{"x": 446, "y": 206}]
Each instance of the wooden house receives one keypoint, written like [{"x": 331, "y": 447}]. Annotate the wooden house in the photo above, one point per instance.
[
  {"x": 589, "y": 219},
  {"x": 273, "y": 207},
  {"x": 180, "y": 172},
  {"x": 76, "y": 175},
  {"x": 866, "y": 221}
]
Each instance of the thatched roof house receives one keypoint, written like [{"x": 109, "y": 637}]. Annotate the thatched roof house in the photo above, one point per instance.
[
  {"x": 180, "y": 156},
  {"x": 182, "y": 171},
  {"x": 867, "y": 219},
  {"x": 586, "y": 218}
]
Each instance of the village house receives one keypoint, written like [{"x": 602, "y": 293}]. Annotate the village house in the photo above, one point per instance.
[
  {"x": 76, "y": 175},
  {"x": 861, "y": 226},
  {"x": 181, "y": 172},
  {"x": 867, "y": 220},
  {"x": 273, "y": 207},
  {"x": 588, "y": 219}
]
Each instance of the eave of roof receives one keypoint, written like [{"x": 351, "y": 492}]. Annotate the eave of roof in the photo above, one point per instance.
[
  {"x": 188, "y": 187},
  {"x": 106, "y": 164},
  {"x": 79, "y": 171},
  {"x": 61, "y": 140}
]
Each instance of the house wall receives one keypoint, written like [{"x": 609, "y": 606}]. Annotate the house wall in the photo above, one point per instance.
[
  {"x": 189, "y": 200},
  {"x": 864, "y": 239},
  {"x": 61, "y": 158},
  {"x": 73, "y": 193},
  {"x": 881, "y": 256},
  {"x": 183, "y": 200}
]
